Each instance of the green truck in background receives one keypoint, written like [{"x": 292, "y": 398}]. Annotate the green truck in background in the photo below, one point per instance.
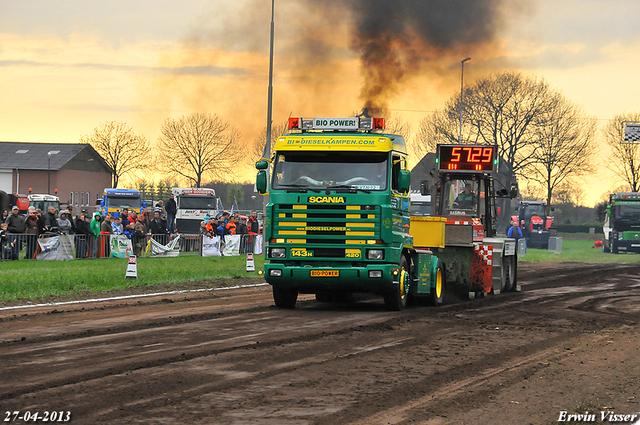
[{"x": 622, "y": 223}]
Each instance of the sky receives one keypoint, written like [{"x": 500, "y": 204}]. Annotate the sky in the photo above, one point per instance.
[{"x": 68, "y": 66}]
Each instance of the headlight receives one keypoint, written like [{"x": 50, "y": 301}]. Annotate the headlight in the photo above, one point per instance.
[
  {"x": 275, "y": 272},
  {"x": 375, "y": 254},
  {"x": 277, "y": 252},
  {"x": 375, "y": 273}
]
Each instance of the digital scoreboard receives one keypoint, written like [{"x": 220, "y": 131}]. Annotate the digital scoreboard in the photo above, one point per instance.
[{"x": 466, "y": 158}]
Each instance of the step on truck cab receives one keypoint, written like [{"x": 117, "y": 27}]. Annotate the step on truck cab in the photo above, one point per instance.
[{"x": 337, "y": 221}]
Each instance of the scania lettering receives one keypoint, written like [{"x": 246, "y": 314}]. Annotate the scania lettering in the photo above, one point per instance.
[
  {"x": 338, "y": 216},
  {"x": 326, "y": 199},
  {"x": 115, "y": 200},
  {"x": 193, "y": 205}
]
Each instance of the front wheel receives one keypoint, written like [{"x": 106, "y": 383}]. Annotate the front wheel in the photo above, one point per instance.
[
  {"x": 285, "y": 297},
  {"x": 397, "y": 300}
]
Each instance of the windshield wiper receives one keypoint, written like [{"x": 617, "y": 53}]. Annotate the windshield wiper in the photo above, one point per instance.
[
  {"x": 299, "y": 188},
  {"x": 348, "y": 188}
]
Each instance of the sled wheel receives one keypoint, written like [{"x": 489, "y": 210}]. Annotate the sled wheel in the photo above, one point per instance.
[
  {"x": 509, "y": 273},
  {"x": 437, "y": 294}
]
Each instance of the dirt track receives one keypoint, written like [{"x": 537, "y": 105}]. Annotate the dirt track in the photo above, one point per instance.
[{"x": 569, "y": 340}]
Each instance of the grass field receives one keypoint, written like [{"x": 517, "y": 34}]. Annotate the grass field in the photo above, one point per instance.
[
  {"x": 579, "y": 247},
  {"x": 37, "y": 279},
  {"x": 42, "y": 279}
]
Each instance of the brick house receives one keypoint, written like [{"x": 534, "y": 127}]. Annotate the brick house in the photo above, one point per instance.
[{"x": 73, "y": 171}]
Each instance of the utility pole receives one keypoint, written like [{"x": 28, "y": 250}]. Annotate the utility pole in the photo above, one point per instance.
[
  {"x": 461, "y": 95},
  {"x": 267, "y": 146}
]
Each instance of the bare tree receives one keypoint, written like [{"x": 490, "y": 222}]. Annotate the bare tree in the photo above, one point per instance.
[
  {"x": 625, "y": 157},
  {"x": 504, "y": 110},
  {"x": 122, "y": 149},
  {"x": 564, "y": 144},
  {"x": 199, "y": 146},
  {"x": 437, "y": 128},
  {"x": 568, "y": 193},
  {"x": 498, "y": 110}
]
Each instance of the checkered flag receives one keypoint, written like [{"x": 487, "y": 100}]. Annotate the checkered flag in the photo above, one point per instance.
[{"x": 632, "y": 132}]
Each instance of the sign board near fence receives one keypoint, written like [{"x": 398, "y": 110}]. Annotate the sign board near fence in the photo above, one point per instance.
[
  {"x": 210, "y": 246},
  {"x": 56, "y": 248},
  {"x": 232, "y": 245},
  {"x": 157, "y": 249},
  {"x": 120, "y": 245}
]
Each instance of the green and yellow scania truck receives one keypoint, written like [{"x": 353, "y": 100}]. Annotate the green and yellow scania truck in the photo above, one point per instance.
[{"x": 337, "y": 220}]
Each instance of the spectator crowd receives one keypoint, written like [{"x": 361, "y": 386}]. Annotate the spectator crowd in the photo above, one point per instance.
[{"x": 19, "y": 232}]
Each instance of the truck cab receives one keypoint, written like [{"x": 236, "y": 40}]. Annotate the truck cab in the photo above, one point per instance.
[
  {"x": 193, "y": 205},
  {"x": 622, "y": 223},
  {"x": 43, "y": 202},
  {"x": 338, "y": 213},
  {"x": 115, "y": 200}
]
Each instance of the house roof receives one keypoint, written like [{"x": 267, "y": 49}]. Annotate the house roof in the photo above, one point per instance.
[{"x": 33, "y": 156}]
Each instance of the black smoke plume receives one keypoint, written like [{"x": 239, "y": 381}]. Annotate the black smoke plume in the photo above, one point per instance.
[{"x": 397, "y": 38}]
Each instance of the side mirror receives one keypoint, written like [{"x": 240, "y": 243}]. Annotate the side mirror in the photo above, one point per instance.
[
  {"x": 261, "y": 182},
  {"x": 262, "y": 165},
  {"x": 404, "y": 180},
  {"x": 424, "y": 188},
  {"x": 513, "y": 190}
]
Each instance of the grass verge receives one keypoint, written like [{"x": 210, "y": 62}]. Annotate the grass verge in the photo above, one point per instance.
[
  {"x": 579, "y": 250},
  {"x": 39, "y": 279}
]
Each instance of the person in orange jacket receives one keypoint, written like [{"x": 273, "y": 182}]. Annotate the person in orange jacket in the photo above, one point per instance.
[{"x": 232, "y": 225}]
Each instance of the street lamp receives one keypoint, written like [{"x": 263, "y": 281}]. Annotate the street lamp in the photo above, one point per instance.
[
  {"x": 49, "y": 170},
  {"x": 461, "y": 91}
]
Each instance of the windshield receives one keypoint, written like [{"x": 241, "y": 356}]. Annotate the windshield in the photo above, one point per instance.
[
  {"x": 123, "y": 202},
  {"x": 420, "y": 209},
  {"x": 629, "y": 212},
  {"x": 322, "y": 170},
  {"x": 531, "y": 210},
  {"x": 460, "y": 197},
  {"x": 197, "y": 202},
  {"x": 44, "y": 205}
]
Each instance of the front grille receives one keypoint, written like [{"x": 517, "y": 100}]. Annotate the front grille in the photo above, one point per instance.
[{"x": 328, "y": 231}]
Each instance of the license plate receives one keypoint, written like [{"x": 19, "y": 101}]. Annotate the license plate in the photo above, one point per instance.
[{"x": 325, "y": 273}]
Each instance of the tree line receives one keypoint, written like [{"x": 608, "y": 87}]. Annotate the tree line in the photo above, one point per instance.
[{"x": 542, "y": 137}]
